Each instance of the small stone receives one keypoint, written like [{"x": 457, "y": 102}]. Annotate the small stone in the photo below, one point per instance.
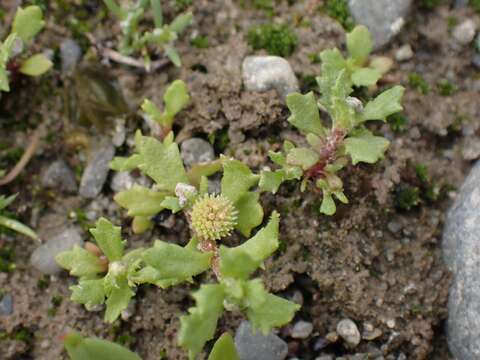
[
  {"x": 70, "y": 54},
  {"x": 404, "y": 53},
  {"x": 128, "y": 312},
  {"x": 59, "y": 176},
  {"x": 384, "y": 18},
  {"x": 320, "y": 343},
  {"x": 97, "y": 169},
  {"x": 255, "y": 346},
  {"x": 301, "y": 330},
  {"x": 6, "y": 305},
  {"x": 394, "y": 226},
  {"x": 196, "y": 150},
  {"x": 263, "y": 73},
  {"x": 476, "y": 61},
  {"x": 121, "y": 180},
  {"x": 464, "y": 32},
  {"x": 391, "y": 323},
  {"x": 371, "y": 333},
  {"x": 471, "y": 148},
  {"x": 348, "y": 331},
  {"x": 43, "y": 258},
  {"x": 332, "y": 337},
  {"x": 119, "y": 132}
]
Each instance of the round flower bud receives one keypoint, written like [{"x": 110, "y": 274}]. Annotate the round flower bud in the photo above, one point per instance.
[{"x": 213, "y": 217}]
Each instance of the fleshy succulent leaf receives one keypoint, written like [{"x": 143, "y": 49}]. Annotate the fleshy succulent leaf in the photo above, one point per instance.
[
  {"x": 250, "y": 212},
  {"x": 366, "y": 76},
  {"x": 303, "y": 157},
  {"x": 109, "y": 239},
  {"x": 117, "y": 301},
  {"x": 359, "y": 44},
  {"x": 328, "y": 206},
  {"x": 141, "y": 201},
  {"x": 385, "y": 104},
  {"x": 176, "y": 98},
  {"x": 28, "y": 22},
  {"x": 36, "y": 65},
  {"x": 305, "y": 115},
  {"x": 88, "y": 292},
  {"x": 199, "y": 325},
  {"x": 270, "y": 181},
  {"x": 366, "y": 148},
  {"x": 224, "y": 349},
  {"x": 237, "y": 179},
  {"x": 80, "y": 262}
]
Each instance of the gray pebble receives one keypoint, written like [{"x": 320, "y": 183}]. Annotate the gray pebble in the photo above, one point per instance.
[
  {"x": 348, "y": 331},
  {"x": 70, "y": 54},
  {"x": 6, "y": 305},
  {"x": 196, "y": 150},
  {"x": 97, "y": 169},
  {"x": 59, "y": 176},
  {"x": 464, "y": 32},
  {"x": 121, "y": 180},
  {"x": 263, "y": 73},
  {"x": 301, "y": 330},
  {"x": 325, "y": 357},
  {"x": 255, "y": 346},
  {"x": 471, "y": 148},
  {"x": 384, "y": 18},
  {"x": 43, "y": 258},
  {"x": 461, "y": 248},
  {"x": 404, "y": 53}
]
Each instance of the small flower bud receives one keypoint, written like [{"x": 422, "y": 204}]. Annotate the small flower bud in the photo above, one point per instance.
[{"x": 184, "y": 192}]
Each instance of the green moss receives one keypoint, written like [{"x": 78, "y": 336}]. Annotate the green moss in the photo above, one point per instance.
[
  {"x": 181, "y": 5},
  {"x": 398, "y": 122},
  {"x": 338, "y": 9},
  {"x": 417, "y": 81},
  {"x": 200, "y": 42},
  {"x": 422, "y": 173},
  {"x": 407, "y": 197},
  {"x": 446, "y": 88},
  {"x": 475, "y": 4},
  {"x": 430, "y": 4},
  {"x": 7, "y": 263},
  {"x": 277, "y": 39}
]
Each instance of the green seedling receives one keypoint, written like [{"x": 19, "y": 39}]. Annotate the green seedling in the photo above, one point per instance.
[
  {"x": 26, "y": 24},
  {"x": 348, "y": 139},
  {"x": 12, "y": 224},
  {"x": 134, "y": 40},
  {"x": 176, "y": 97},
  {"x": 80, "y": 348}
]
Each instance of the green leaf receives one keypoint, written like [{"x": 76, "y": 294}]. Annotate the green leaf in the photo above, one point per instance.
[
  {"x": 359, "y": 44},
  {"x": 175, "y": 262},
  {"x": 199, "y": 325},
  {"x": 80, "y": 348},
  {"x": 332, "y": 64},
  {"x": 385, "y": 104},
  {"x": 366, "y": 76},
  {"x": 151, "y": 110},
  {"x": 237, "y": 179},
  {"x": 303, "y": 157},
  {"x": 80, "y": 262},
  {"x": 250, "y": 213},
  {"x": 141, "y": 201},
  {"x": 18, "y": 227},
  {"x": 171, "y": 203},
  {"x": 109, "y": 239},
  {"x": 199, "y": 170},
  {"x": 258, "y": 248},
  {"x": 140, "y": 224},
  {"x": 28, "y": 22},
  {"x": 341, "y": 197},
  {"x": 181, "y": 22},
  {"x": 224, "y": 349},
  {"x": 4, "y": 85},
  {"x": 305, "y": 114},
  {"x": 163, "y": 163},
  {"x": 126, "y": 163},
  {"x": 274, "y": 311},
  {"x": 6, "y": 49},
  {"x": 88, "y": 292},
  {"x": 36, "y": 65},
  {"x": 5, "y": 201},
  {"x": 117, "y": 301},
  {"x": 328, "y": 205},
  {"x": 270, "y": 181},
  {"x": 172, "y": 54},
  {"x": 176, "y": 98},
  {"x": 366, "y": 148}
]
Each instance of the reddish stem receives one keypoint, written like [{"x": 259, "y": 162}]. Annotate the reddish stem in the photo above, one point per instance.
[
  {"x": 211, "y": 246},
  {"x": 327, "y": 154}
]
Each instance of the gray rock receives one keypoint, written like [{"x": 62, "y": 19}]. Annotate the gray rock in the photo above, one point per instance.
[
  {"x": 196, "y": 150},
  {"x": 70, "y": 54},
  {"x": 43, "y": 258},
  {"x": 6, "y": 305},
  {"x": 96, "y": 172},
  {"x": 59, "y": 176},
  {"x": 476, "y": 61},
  {"x": 384, "y": 18},
  {"x": 263, "y": 73},
  {"x": 471, "y": 148},
  {"x": 348, "y": 331},
  {"x": 301, "y": 330},
  {"x": 121, "y": 180},
  {"x": 404, "y": 53},
  {"x": 460, "y": 3},
  {"x": 464, "y": 32},
  {"x": 255, "y": 346},
  {"x": 461, "y": 249}
]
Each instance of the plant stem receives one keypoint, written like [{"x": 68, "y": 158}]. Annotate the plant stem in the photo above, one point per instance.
[
  {"x": 327, "y": 154},
  {"x": 211, "y": 246}
]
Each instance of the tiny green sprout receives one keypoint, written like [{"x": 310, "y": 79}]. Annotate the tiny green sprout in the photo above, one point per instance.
[
  {"x": 417, "y": 81},
  {"x": 134, "y": 41},
  {"x": 91, "y": 348},
  {"x": 407, "y": 197},
  {"x": 277, "y": 39},
  {"x": 12, "y": 224},
  {"x": 26, "y": 24},
  {"x": 213, "y": 217},
  {"x": 329, "y": 150},
  {"x": 175, "y": 99}
]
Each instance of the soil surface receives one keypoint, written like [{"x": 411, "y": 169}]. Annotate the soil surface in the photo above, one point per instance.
[{"x": 373, "y": 262}]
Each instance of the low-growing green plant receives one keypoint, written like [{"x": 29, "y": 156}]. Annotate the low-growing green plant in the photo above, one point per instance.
[
  {"x": 10, "y": 223},
  {"x": 26, "y": 24},
  {"x": 134, "y": 40},
  {"x": 277, "y": 39},
  {"x": 81, "y": 348},
  {"x": 338, "y": 9},
  {"x": 417, "y": 81},
  {"x": 331, "y": 148}
]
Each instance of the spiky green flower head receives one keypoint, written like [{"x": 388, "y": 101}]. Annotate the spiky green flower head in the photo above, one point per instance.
[{"x": 213, "y": 217}]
